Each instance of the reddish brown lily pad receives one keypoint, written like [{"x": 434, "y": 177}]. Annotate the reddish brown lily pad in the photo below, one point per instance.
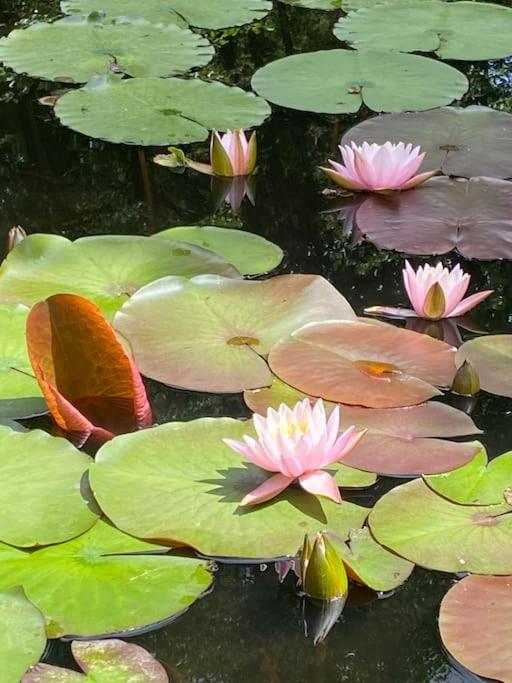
[{"x": 492, "y": 358}]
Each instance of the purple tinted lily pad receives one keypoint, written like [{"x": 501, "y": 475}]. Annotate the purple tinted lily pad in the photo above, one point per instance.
[{"x": 492, "y": 358}]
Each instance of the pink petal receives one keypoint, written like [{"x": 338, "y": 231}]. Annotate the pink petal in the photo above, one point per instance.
[
  {"x": 269, "y": 489},
  {"x": 417, "y": 180},
  {"x": 345, "y": 443},
  {"x": 342, "y": 179},
  {"x": 414, "y": 290},
  {"x": 254, "y": 455},
  {"x": 321, "y": 484},
  {"x": 391, "y": 311},
  {"x": 470, "y": 302}
]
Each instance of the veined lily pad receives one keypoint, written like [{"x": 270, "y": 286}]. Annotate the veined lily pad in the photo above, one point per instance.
[
  {"x": 475, "y": 141},
  {"x": 474, "y": 622},
  {"x": 188, "y": 486},
  {"x": 44, "y": 494},
  {"x": 107, "y": 269},
  {"x": 122, "y": 586},
  {"x": 251, "y": 254},
  {"x": 156, "y": 111},
  {"x": 473, "y": 216},
  {"x": 340, "y": 81},
  {"x": 74, "y": 49},
  {"x": 22, "y": 636},
  {"x": 455, "y": 30},
  {"x": 425, "y": 528},
  {"x": 211, "y": 333},
  {"x": 491, "y": 356}
]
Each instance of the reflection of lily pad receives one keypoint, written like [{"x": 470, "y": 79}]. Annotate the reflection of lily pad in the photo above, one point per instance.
[
  {"x": 172, "y": 111},
  {"x": 103, "y": 582},
  {"x": 433, "y": 532},
  {"x": 44, "y": 496},
  {"x": 75, "y": 49},
  {"x": 345, "y": 5},
  {"x": 210, "y": 333},
  {"x": 250, "y": 253},
  {"x": 104, "y": 269},
  {"x": 188, "y": 486},
  {"x": 475, "y": 141},
  {"x": 455, "y": 30},
  {"x": 474, "y": 622},
  {"x": 473, "y": 216},
  {"x": 22, "y": 637},
  {"x": 340, "y": 81},
  {"x": 492, "y": 358}
]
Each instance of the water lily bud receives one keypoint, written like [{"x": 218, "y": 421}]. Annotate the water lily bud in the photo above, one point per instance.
[
  {"x": 434, "y": 305},
  {"x": 323, "y": 573},
  {"x": 466, "y": 381},
  {"x": 16, "y": 235},
  {"x": 232, "y": 154}
]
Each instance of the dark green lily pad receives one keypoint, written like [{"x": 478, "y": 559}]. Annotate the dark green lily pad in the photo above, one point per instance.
[
  {"x": 456, "y": 30},
  {"x": 433, "y": 532},
  {"x": 340, "y": 81},
  {"x": 188, "y": 486},
  {"x": 156, "y": 111},
  {"x": 22, "y": 636},
  {"x": 103, "y": 582},
  {"x": 44, "y": 495},
  {"x": 492, "y": 358},
  {"x": 74, "y": 49}
]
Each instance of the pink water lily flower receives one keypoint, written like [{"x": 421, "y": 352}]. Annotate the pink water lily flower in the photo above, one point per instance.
[
  {"x": 295, "y": 445},
  {"x": 378, "y": 168},
  {"x": 232, "y": 154}
]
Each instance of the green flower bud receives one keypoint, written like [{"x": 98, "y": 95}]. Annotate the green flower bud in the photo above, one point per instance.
[
  {"x": 466, "y": 381},
  {"x": 323, "y": 573}
]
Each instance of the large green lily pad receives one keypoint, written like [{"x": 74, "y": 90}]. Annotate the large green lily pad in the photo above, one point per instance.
[
  {"x": 251, "y": 254},
  {"x": 492, "y": 358},
  {"x": 212, "y": 333},
  {"x": 188, "y": 486},
  {"x": 156, "y": 111},
  {"x": 106, "y": 269},
  {"x": 22, "y": 636},
  {"x": 475, "y": 141},
  {"x": 431, "y": 531},
  {"x": 455, "y": 30},
  {"x": 74, "y": 49},
  {"x": 340, "y": 81},
  {"x": 44, "y": 496},
  {"x": 103, "y": 582}
]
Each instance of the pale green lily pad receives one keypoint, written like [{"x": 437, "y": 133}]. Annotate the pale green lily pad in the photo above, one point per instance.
[
  {"x": 340, "y": 81},
  {"x": 456, "y": 30},
  {"x": 433, "y": 532},
  {"x": 251, "y": 254},
  {"x": 478, "y": 482},
  {"x": 106, "y": 269},
  {"x": 44, "y": 496},
  {"x": 22, "y": 636},
  {"x": 103, "y": 582},
  {"x": 188, "y": 486},
  {"x": 156, "y": 111},
  {"x": 20, "y": 395}
]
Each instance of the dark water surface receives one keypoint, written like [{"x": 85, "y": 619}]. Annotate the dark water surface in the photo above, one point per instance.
[{"x": 250, "y": 629}]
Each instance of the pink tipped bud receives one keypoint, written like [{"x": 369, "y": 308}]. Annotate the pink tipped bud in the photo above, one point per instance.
[{"x": 16, "y": 235}]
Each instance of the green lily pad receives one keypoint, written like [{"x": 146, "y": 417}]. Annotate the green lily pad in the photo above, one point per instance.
[
  {"x": 456, "y": 30},
  {"x": 188, "y": 486},
  {"x": 340, "y": 81},
  {"x": 20, "y": 395},
  {"x": 431, "y": 531},
  {"x": 44, "y": 496},
  {"x": 251, "y": 254},
  {"x": 103, "y": 582},
  {"x": 106, "y": 269},
  {"x": 156, "y": 111},
  {"x": 212, "y": 333},
  {"x": 491, "y": 356},
  {"x": 22, "y": 636},
  {"x": 213, "y": 14}
]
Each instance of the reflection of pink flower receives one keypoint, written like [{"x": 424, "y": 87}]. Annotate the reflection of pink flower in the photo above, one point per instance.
[
  {"x": 378, "y": 168},
  {"x": 296, "y": 444},
  {"x": 232, "y": 154}
]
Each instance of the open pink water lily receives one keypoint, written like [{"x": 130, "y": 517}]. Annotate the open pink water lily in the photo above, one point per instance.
[
  {"x": 296, "y": 444},
  {"x": 378, "y": 168},
  {"x": 232, "y": 154}
]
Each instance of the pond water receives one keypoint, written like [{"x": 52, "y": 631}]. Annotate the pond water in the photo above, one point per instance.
[{"x": 251, "y": 628}]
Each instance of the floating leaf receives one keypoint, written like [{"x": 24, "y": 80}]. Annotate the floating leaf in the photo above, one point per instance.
[
  {"x": 44, "y": 496},
  {"x": 251, "y": 254},
  {"x": 211, "y": 333},
  {"x": 188, "y": 486},
  {"x": 474, "y": 622},
  {"x": 106, "y": 269},
  {"x": 475, "y": 141},
  {"x": 340, "y": 81},
  {"x": 456, "y": 30},
  {"x": 74, "y": 49},
  {"x": 473, "y": 216},
  {"x": 124, "y": 587},
  {"x": 425, "y": 528},
  {"x": 491, "y": 357},
  {"x": 103, "y": 660},
  {"x": 172, "y": 111}
]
